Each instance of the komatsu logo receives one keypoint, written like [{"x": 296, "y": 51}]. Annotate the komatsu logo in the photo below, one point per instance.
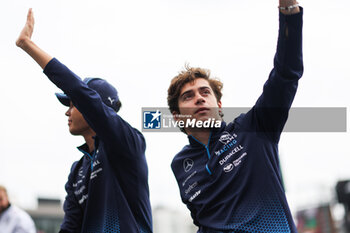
[{"x": 194, "y": 196}]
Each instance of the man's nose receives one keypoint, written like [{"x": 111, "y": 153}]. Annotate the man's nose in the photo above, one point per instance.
[
  {"x": 68, "y": 112},
  {"x": 199, "y": 99}
]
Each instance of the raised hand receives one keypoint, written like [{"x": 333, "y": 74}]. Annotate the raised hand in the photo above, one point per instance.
[
  {"x": 24, "y": 42},
  {"x": 27, "y": 31}
]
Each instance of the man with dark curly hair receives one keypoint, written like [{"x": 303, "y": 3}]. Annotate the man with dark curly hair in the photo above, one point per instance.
[{"x": 229, "y": 176}]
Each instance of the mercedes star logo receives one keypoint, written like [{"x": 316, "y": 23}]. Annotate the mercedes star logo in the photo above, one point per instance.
[{"x": 188, "y": 164}]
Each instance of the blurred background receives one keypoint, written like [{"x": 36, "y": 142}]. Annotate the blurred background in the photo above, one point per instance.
[{"x": 139, "y": 46}]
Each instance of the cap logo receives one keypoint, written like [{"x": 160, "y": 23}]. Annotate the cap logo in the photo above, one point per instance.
[{"x": 111, "y": 100}]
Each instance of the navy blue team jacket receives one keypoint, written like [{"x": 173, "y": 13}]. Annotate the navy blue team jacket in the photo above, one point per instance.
[
  {"x": 233, "y": 183},
  {"x": 107, "y": 190}
]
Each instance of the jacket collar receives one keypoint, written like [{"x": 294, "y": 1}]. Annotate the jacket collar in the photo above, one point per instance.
[
  {"x": 85, "y": 148},
  {"x": 214, "y": 134}
]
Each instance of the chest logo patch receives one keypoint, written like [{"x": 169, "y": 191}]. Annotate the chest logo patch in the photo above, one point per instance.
[
  {"x": 188, "y": 164},
  {"x": 228, "y": 167},
  {"x": 226, "y": 138}
]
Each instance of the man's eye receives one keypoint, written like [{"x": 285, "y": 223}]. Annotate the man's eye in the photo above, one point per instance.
[
  {"x": 187, "y": 97},
  {"x": 206, "y": 92}
]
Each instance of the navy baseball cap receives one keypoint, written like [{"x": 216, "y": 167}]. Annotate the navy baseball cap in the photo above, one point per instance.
[{"x": 107, "y": 92}]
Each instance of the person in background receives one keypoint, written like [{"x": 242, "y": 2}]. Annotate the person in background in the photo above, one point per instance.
[{"x": 12, "y": 218}]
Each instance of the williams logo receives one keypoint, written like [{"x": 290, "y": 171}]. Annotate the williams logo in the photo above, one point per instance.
[
  {"x": 226, "y": 138},
  {"x": 152, "y": 119},
  {"x": 188, "y": 164}
]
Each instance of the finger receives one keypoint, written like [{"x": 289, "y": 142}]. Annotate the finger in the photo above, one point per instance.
[
  {"x": 30, "y": 16},
  {"x": 30, "y": 12}
]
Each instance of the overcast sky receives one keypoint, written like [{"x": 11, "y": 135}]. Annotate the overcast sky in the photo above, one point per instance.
[{"x": 139, "y": 46}]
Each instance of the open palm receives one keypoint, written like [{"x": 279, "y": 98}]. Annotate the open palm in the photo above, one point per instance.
[{"x": 27, "y": 31}]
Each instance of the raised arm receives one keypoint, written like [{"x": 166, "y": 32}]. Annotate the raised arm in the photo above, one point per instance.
[
  {"x": 107, "y": 124},
  {"x": 271, "y": 109},
  {"x": 25, "y": 42}
]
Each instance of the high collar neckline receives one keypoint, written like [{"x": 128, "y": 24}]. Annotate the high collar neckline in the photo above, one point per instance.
[{"x": 214, "y": 133}]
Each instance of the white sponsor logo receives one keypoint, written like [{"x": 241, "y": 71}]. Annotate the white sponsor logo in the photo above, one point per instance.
[
  {"x": 96, "y": 162},
  {"x": 111, "y": 100},
  {"x": 83, "y": 198},
  {"x": 234, "y": 151},
  {"x": 188, "y": 164},
  {"x": 194, "y": 196},
  {"x": 239, "y": 160},
  {"x": 79, "y": 191},
  {"x": 189, "y": 177},
  {"x": 226, "y": 138},
  {"x": 228, "y": 167},
  {"x": 192, "y": 186},
  {"x": 80, "y": 173},
  {"x": 94, "y": 173},
  {"x": 76, "y": 184}
]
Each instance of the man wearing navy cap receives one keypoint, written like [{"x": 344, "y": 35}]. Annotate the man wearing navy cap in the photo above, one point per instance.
[{"x": 107, "y": 189}]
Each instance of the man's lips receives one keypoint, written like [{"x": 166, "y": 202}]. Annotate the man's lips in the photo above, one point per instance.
[
  {"x": 201, "y": 110},
  {"x": 69, "y": 122}
]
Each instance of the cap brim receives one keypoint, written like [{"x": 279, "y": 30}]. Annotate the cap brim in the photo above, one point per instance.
[{"x": 63, "y": 98}]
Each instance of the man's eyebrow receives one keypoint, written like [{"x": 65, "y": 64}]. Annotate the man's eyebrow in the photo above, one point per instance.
[{"x": 204, "y": 87}]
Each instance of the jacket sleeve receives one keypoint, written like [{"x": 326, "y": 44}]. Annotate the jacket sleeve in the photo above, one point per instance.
[
  {"x": 73, "y": 213},
  {"x": 271, "y": 109},
  {"x": 107, "y": 124}
]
